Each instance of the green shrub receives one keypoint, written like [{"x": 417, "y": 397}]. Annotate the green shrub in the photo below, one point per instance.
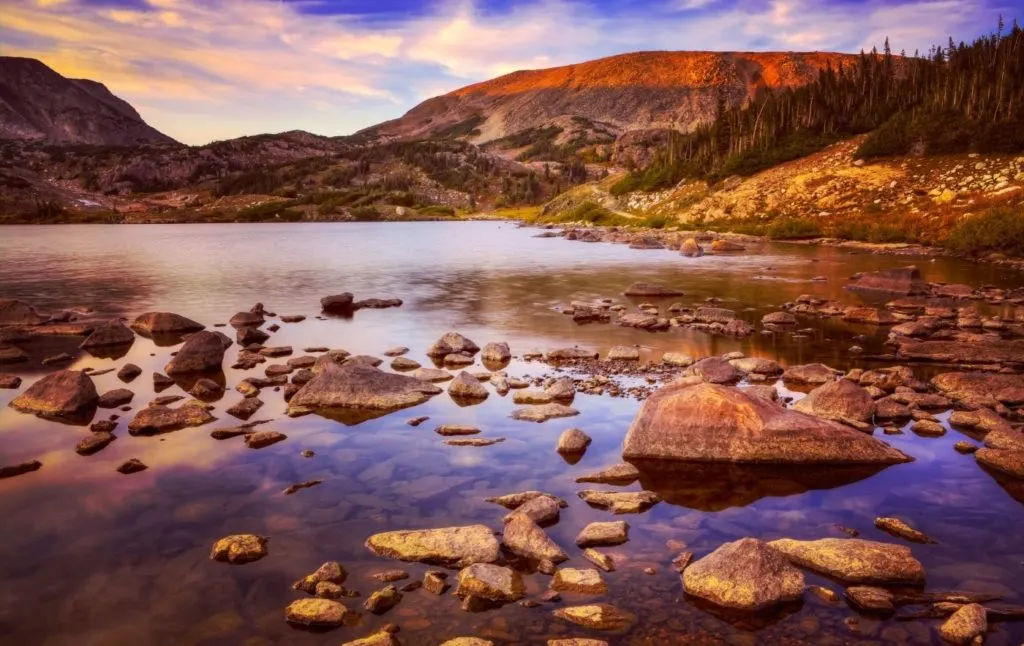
[
  {"x": 794, "y": 229},
  {"x": 366, "y": 214},
  {"x": 437, "y": 210},
  {"x": 999, "y": 230}
]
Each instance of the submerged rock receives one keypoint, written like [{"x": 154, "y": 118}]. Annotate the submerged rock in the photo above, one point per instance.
[
  {"x": 854, "y": 560},
  {"x": 260, "y": 439},
  {"x": 620, "y": 502},
  {"x": 711, "y": 423},
  {"x": 239, "y": 548},
  {"x": 155, "y": 323},
  {"x": 905, "y": 281},
  {"x": 744, "y": 575},
  {"x": 599, "y": 616},
  {"x": 61, "y": 394},
  {"x": 450, "y": 546},
  {"x": 651, "y": 290},
  {"x": 361, "y": 387},
  {"x": 94, "y": 443},
  {"x": 898, "y": 527}
]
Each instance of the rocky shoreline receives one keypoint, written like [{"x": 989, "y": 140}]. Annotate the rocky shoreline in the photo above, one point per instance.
[{"x": 720, "y": 419}]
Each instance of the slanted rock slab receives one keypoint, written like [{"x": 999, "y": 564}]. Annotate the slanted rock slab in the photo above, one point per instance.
[
  {"x": 316, "y": 612},
  {"x": 599, "y": 616},
  {"x": 603, "y": 534},
  {"x": 449, "y": 546},
  {"x": 64, "y": 393},
  {"x": 355, "y": 386},
  {"x": 239, "y": 548},
  {"x": 587, "y": 581},
  {"x": 543, "y": 412},
  {"x": 522, "y": 536},
  {"x": 491, "y": 582},
  {"x": 621, "y": 502},
  {"x": 744, "y": 575},
  {"x": 965, "y": 624},
  {"x": 855, "y": 560}
]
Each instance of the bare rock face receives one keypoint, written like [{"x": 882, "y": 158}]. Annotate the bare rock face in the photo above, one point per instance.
[
  {"x": 14, "y": 312},
  {"x": 156, "y": 323},
  {"x": 967, "y": 623},
  {"x": 905, "y": 281},
  {"x": 114, "y": 333},
  {"x": 450, "y": 546},
  {"x": 838, "y": 400},
  {"x": 239, "y": 548},
  {"x": 452, "y": 343},
  {"x": 744, "y": 575},
  {"x": 157, "y": 419},
  {"x": 202, "y": 352},
  {"x": 854, "y": 560},
  {"x": 355, "y": 386},
  {"x": 711, "y": 423},
  {"x": 491, "y": 582},
  {"x": 523, "y": 537},
  {"x": 62, "y": 394}
]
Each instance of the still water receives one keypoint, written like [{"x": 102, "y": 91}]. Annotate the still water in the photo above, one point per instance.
[{"x": 90, "y": 557}]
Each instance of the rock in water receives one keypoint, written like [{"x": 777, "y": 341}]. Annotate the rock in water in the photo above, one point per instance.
[
  {"x": 202, "y": 352},
  {"x": 715, "y": 370},
  {"x": 744, "y": 575},
  {"x": 380, "y": 601},
  {"x": 620, "y": 502},
  {"x": 114, "y": 333},
  {"x": 905, "y": 281},
  {"x": 711, "y": 423},
  {"x": 854, "y": 560},
  {"x": 543, "y": 412},
  {"x": 13, "y": 312},
  {"x": 450, "y": 546},
  {"x": 651, "y": 290},
  {"x": 491, "y": 582},
  {"x": 523, "y": 537},
  {"x": 13, "y": 470},
  {"x": 331, "y": 572},
  {"x": 65, "y": 393},
  {"x": 364, "y": 387},
  {"x": 691, "y": 248},
  {"x": 573, "y": 441},
  {"x": 604, "y": 534},
  {"x": 157, "y": 419},
  {"x": 871, "y": 599},
  {"x": 579, "y": 581},
  {"x": 496, "y": 353},
  {"x": 239, "y": 548},
  {"x": 466, "y": 387},
  {"x": 898, "y": 527},
  {"x": 838, "y": 400},
  {"x": 965, "y": 624},
  {"x": 152, "y": 323},
  {"x": 338, "y": 303},
  {"x": 452, "y": 343},
  {"x": 812, "y": 373},
  {"x": 599, "y": 616},
  {"x": 981, "y": 387},
  {"x": 315, "y": 612}
]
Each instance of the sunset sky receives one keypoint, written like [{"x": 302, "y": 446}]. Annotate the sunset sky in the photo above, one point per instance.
[{"x": 201, "y": 70}]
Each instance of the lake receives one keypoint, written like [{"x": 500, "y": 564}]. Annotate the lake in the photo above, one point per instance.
[{"x": 89, "y": 556}]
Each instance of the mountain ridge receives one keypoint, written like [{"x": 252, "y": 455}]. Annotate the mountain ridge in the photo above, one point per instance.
[{"x": 39, "y": 104}]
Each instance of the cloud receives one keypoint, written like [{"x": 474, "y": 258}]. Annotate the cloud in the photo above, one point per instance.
[{"x": 202, "y": 69}]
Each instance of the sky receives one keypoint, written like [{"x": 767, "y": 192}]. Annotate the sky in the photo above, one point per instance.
[{"x": 202, "y": 70}]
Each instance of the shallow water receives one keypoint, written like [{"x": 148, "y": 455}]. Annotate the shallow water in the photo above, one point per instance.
[{"x": 89, "y": 556}]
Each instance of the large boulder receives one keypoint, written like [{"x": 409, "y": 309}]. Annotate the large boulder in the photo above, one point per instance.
[
  {"x": 338, "y": 303},
  {"x": 449, "y": 546},
  {"x": 356, "y": 386},
  {"x": 854, "y": 560},
  {"x": 711, "y": 423},
  {"x": 905, "y": 281},
  {"x": 965, "y": 625},
  {"x": 452, "y": 343},
  {"x": 202, "y": 352},
  {"x": 156, "y": 323},
  {"x": 744, "y": 575},
  {"x": 840, "y": 401},
  {"x": 114, "y": 333},
  {"x": 523, "y": 537},
  {"x": 14, "y": 312},
  {"x": 65, "y": 393}
]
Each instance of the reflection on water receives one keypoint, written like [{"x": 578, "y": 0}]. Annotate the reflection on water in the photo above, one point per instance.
[{"x": 93, "y": 557}]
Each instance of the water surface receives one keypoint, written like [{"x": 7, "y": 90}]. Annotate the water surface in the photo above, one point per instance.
[{"x": 91, "y": 557}]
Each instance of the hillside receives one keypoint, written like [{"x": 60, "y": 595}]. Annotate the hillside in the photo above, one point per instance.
[
  {"x": 38, "y": 104},
  {"x": 608, "y": 97}
]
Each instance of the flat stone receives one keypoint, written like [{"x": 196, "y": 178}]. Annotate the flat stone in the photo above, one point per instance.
[
  {"x": 928, "y": 428},
  {"x": 651, "y": 290},
  {"x": 522, "y": 536},
  {"x": 905, "y": 281},
  {"x": 517, "y": 500},
  {"x": 157, "y": 419},
  {"x": 603, "y": 534},
  {"x": 475, "y": 441},
  {"x": 133, "y": 465},
  {"x": 981, "y": 386},
  {"x": 570, "y": 354},
  {"x": 116, "y": 398},
  {"x": 599, "y": 616},
  {"x": 624, "y": 502},
  {"x": 405, "y": 364},
  {"x": 10, "y": 382},
  {"x": 1007, "y": 461},
  {"x": 114, "y": 333},
  {"x": 456, "y": 429},
  {"x": 331, "y": 572},
  {"x": 744, "y": 575},
  {"x": 900, "y": 528},
  {"x": 812, "y": 373},
  {"x": 531, "y": 397},
  {"x": 543, "y": 412},
  {"x": 94, "y": 443},
  {"x": 13, "y": 470},
  {"x": 871, "y": 599},
  {"x": 316, "y": 612},
  {"x": 623, "y": 353},
  {"x": 379, "y": 638},
  {"x": 621, "y": 474},
  {"x": 579, "y": 581},
  {"x": 491, "y": 582},
  {"x": 361, "y": 387},
  {"x": 450, "y": 546},
  {"x": 239, "y": 548},
  {"x": 261, "y": 439},
  {"x": 246, "y": 408},
  {"x": 854, "y": 560}
]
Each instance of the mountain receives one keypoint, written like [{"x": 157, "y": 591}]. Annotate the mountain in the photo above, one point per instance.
[
  {"x": 38, "y": 104},
  {"x": 605, "y": 98}
]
